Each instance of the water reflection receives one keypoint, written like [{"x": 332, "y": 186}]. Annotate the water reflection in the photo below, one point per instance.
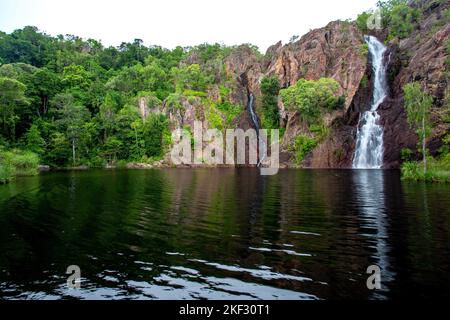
[
  {"x": 223, "y": 234},
  {"x": 371, "y": 196}
]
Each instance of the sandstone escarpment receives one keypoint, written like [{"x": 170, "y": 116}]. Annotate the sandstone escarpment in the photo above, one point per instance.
[
  {"x": 421, "y": 57},
  {"x": 335, "y": 51},
  {"x": 338, "y": 51}
]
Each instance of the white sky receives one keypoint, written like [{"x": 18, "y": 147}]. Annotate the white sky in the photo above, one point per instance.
[{"x": 179, "y": 22}]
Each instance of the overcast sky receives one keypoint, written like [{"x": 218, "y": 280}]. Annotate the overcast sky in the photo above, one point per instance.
[{"x": 179, "y": 22}]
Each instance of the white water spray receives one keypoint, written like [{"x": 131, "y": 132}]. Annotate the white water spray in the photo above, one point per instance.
[
  {"x": 369, "y": 142},
  {"x": 261, "y": 143}
]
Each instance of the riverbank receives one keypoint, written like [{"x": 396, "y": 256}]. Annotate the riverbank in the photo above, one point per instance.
[
  {"x": 17, "y": 162},
  {"x": 438, "y": 170}
]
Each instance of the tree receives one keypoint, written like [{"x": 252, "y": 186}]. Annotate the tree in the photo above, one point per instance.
[
  {"x": 398, "y": 16},
  {"x": 58, "y": 151},
  {"x": 112, "y": 148},
  {"x": 12, "y": 95},
  {"x": 124, "y": 130},
  {"x": 154, "y": 128},
  {"x": 76, "y": 77},
  {"x": 132, "y": 53},
  {"x": 34, "y": 140},
  {"x": 402, "y": 19},
  {"x": 270, "y": 88},
  {"x": 362, "y": 19},
  {"x": 107, "y": 114},
  {"x": 136, "y": 151},
  {"x": 72, "y": 119},
  {"x": 418, "y": 104},
  {"x": 45, "y": 85},
  {"x": 156, "y": 79},
  {"x": 27, "y": 45},
  {"x": 189, "y": 77},
  {"x": 310, "y": 98}
]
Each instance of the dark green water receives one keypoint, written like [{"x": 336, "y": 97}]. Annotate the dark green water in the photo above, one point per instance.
[{"x": 224, "y": 234}]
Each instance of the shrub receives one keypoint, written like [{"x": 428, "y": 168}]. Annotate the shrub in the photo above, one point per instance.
[
  {"x": 26, "y": 163},
  {"x": 399, "y": 17},
  {"x": 270, "y": 88},
  {"x": 17, "y": 163},
  {"x": 438, "y": 170},
  {"x": 411, "y": 171},
  {"x": 213, "y": 117},
  {"x": 311, "y": 98},
  {"x": 155, "y": 128},
  {"x": 321, "y": 131},
  {"x": 365, "y": 82},
  {"x": 361, "y": 21},
  {"x": 364, "y": 50},
  {"x": 302, "y": 146},
  {"x": 405, "y": 154},
  {"x": 230, "y": 112},
  {"x": 121, "y": 164},
  {"x": 96, "y": 162},
  {"x": 193, "y": 93},
  {"x": 418, "y": 104},
  {"x": 402, "y": 19},
  {"x": 6, "y": 171}
]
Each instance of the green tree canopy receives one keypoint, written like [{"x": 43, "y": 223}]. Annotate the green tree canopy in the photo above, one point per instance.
[
  {"x": 418, "y": 104},
  {"x": 310, "y": 98},
  {"x": 12, "y": 97}
]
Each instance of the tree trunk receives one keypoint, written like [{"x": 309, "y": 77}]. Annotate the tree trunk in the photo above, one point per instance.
[
  {"x": 73, "y": 152},
  {"x": 424, "y": 147},
  {"x": 137, "y": 142},
  {"x": 45, "y": 104}
]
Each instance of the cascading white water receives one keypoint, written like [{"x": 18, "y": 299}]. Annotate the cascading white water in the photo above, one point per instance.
[
  {"x": 369, "y": 142},
  {"x": 252, "y": 112},
  {"x": 262, "y": 145}
]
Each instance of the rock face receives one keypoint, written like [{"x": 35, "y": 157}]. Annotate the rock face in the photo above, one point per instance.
[
  {"x": 244, "y": 66},
  {"x": 338, "y": 51},
  {"x": 420, "y": 57},
  {"x": 334, "y": 51},
  {"x": 144, "y": 109}
]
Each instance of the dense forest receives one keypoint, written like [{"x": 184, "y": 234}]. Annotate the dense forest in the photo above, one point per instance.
[
  {"x": 74, "y": 102},
  {"x": 66, "y": 101}
]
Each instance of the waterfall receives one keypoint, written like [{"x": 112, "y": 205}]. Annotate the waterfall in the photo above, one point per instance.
[
  {"x": 255, "y": 121},
  {"x": 252, "y": 112},
  {"x": 369, "y": 142}
]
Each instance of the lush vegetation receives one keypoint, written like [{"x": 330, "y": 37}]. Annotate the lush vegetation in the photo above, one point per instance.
[
  {"x": 17, "y": 163},
  {"x": 74, "y": 102},
  {"x": 395, "y": 15},
  {"x": 302, "y": 146},
  {"x": 418, "y": 104},
  {"x": 311, "y": 99},
  {"x": 438, "y": 170},
  {"x": 270, "y": 88}
]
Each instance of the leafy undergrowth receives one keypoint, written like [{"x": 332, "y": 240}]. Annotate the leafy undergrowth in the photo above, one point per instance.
[
  {"x": 438, "y": 170},
  {"x": 17, "y": 163}
]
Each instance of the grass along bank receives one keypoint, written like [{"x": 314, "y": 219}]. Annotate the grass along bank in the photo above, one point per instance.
[
  {"x": 15, "y": 163},
  {"x": 437, "y": 170}
]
